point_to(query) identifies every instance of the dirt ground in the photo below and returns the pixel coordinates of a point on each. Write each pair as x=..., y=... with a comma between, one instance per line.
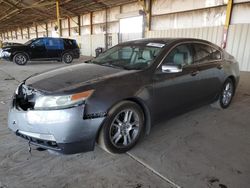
x=202, y=148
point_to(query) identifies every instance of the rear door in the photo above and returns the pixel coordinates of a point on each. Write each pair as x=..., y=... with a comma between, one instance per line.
x=54, y=47
x=209, y=63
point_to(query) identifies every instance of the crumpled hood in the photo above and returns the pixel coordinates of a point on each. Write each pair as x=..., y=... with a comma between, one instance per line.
x=72, y=77
x=14, y=47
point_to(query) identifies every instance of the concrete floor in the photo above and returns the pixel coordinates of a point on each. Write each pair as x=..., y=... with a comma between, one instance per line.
x=203, y=148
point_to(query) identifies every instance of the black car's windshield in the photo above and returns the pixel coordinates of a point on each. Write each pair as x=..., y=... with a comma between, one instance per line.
x=131, y=57
x=29, y=42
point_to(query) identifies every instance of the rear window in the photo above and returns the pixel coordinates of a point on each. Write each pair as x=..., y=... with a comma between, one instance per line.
x=70, y=43
x=53, y=44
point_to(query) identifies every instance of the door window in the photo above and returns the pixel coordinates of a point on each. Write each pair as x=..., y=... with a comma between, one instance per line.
x=205, y=53
x=38, y=43
x=54, y=44
x=181, y=55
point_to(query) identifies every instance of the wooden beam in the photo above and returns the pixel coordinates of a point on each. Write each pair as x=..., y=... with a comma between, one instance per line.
x=21, y=33
x=46, y=29
x=91, y=23
x=36, y=31
x=69, y=26
x=28, y=32
x=79, y=24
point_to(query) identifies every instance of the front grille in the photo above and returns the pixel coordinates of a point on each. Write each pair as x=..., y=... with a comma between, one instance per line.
x=38, y=142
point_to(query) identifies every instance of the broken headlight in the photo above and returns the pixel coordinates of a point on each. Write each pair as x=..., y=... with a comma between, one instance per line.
x=60, y=102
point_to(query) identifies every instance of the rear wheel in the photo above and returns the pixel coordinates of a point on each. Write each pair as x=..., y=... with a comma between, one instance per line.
x=67, y=58
x=20, y=59
x=123, y=128
x=226, y=95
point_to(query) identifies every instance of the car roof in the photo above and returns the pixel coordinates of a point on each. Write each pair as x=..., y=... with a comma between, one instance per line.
x=163, y=40
x=167, y=41
x=53, y=38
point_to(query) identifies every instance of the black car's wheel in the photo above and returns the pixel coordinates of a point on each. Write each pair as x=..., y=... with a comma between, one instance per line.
x=20, y=59
x=122, y=128
x=226, y=95
x=67, y=58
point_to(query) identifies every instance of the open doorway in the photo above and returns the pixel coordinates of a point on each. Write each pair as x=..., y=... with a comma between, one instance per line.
x=131, y=28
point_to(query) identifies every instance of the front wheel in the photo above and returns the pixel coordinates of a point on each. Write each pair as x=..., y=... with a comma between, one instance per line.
x=226, y=95
x=67, y=58
x=20, y=59
x=122, y=128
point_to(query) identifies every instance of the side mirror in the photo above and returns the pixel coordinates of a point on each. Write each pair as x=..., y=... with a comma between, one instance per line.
x=171, y=68
x=32, y=46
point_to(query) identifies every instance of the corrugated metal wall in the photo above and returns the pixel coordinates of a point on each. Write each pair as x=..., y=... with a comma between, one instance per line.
x=238, y=39
x=213, y=34
x=239, y=44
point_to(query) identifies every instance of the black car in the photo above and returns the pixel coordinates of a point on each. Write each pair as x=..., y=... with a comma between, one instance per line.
x=42, y=49
x=115, y=98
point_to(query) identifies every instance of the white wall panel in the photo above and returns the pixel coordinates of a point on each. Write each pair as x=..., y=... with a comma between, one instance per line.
x=170, y=6
x=97, y=40
x=131, y=7
x=239, y=44
x=73, y=21
x=85, y=19
x=213, y=34
x=241, y=13
x=112, y=14
x=99, y=17
x=199, y=18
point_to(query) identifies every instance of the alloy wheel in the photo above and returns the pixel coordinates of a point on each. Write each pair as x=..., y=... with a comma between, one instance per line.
x=227, y=94
x=124, y=128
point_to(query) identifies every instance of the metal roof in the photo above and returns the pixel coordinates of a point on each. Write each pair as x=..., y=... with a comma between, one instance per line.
x=22, y=13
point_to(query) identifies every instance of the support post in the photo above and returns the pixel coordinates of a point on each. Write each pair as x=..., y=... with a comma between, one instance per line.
x=46, y=29
x=11, y=35
x=227, y=23
x=36, y=31
x=91, y=23
x=21, y=33
x=106, y=29
x=58, y=17
x=69, y=26
x=79, y=25
x=28, y=31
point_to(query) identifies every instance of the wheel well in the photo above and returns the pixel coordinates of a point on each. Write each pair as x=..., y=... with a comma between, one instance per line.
x=66, y=52
x=21, y=53
x=145, y=110
x=233, y=80
x=146, y=113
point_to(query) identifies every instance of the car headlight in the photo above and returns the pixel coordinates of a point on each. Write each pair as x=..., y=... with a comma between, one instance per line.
x=59, y=102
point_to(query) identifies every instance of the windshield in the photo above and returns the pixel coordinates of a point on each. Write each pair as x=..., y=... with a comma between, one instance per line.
x=129, y=57
x=29, y=42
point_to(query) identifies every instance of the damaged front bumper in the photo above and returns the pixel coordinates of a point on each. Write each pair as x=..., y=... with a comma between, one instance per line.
x=65, y=130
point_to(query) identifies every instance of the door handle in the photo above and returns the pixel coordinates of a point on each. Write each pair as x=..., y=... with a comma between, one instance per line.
x=194, y=73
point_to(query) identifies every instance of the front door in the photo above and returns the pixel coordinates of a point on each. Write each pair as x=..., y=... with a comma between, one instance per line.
x=176, y=92
x=38, y=50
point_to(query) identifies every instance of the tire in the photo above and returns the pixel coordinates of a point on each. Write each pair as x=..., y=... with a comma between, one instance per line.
x=123, y=128
x=20, y=59
x=226, y=95
x=67, y=58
